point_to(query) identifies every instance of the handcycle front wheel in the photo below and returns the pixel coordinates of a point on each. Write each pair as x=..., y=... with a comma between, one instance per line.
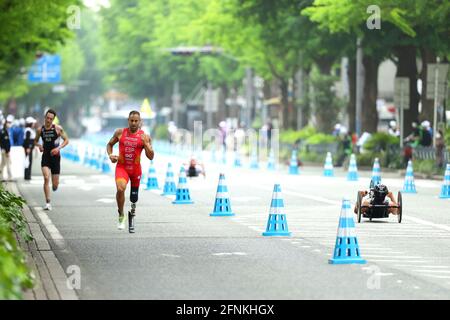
x=400, y=204
x=358, y=206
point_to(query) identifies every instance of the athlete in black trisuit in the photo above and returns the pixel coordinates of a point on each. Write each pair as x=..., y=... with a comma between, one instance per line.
x=51, y=158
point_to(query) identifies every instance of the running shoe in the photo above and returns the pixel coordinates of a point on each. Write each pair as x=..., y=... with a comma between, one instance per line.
x=121, y=224
x=48, y=207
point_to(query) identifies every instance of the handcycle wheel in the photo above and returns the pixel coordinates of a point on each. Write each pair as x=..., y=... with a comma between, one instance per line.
x=400, y=204
x=358, y=206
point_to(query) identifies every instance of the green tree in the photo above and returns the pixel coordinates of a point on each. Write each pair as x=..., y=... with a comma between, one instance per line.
x=28, y=27
x=408, y=27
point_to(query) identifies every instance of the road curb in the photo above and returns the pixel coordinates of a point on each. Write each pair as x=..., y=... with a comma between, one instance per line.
x=50, y=278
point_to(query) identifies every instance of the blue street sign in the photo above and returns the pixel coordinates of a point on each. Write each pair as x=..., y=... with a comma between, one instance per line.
x=46, y=69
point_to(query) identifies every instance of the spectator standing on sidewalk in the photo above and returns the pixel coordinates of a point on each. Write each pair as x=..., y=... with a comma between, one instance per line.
x=5, y=144
x=28, y=145
x=440, y=149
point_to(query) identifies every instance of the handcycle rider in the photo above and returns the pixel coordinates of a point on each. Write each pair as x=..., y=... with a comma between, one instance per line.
x=378, y=195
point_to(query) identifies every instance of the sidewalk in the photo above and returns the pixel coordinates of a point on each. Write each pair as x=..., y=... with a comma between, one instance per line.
x=50, y=278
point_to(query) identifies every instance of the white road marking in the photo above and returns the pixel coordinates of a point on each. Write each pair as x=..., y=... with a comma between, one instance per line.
x=413, y=266
x=47, y=222
x=170, y=255
x=229, y=254
x=401, y=257
x=403, y=261
x=245, y=199
x=338, y=203
x=437, y=277
x=424, y=222
x=383, y=274
x=106, y=200
x=433, y=271
x=85, y=188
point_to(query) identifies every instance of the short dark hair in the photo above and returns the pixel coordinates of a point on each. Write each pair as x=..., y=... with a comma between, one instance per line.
x=53, y=112
x=134, y=112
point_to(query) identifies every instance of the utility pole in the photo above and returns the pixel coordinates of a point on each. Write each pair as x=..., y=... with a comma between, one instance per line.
x=248, y=95
x=359, y=86
x=299, y=94
x=436, y=86
x=209, y=105
x=176, y=101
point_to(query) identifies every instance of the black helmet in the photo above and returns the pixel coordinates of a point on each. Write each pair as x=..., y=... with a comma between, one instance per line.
x=380, y=191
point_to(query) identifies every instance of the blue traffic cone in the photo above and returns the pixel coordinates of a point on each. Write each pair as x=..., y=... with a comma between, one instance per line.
x=237, y=159
x=271, y=161
x=409, y=186
x=76, y=155
x=222, y=206
x=293, y=166
x=68, y=153
x=105, y=165
x=352, y=174
x=254, y=160
x=169, y=185
x=328, y=170
x=376, y=173
x=99, y=162
x=86, y=160
x=152, y=181
x=277, y=223
x=445, y=191
x=346, y=249
x=92, y=162
x=182, y=193
x=224, y=156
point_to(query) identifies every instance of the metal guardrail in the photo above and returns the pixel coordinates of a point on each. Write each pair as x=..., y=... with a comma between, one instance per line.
x=428, y=153
x=322, y=148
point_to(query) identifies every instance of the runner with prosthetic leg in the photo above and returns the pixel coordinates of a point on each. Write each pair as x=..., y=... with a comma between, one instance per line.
x=132, y=141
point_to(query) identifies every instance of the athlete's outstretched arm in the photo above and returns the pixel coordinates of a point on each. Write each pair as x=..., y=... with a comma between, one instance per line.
x=111, y=143
x=148, y=146
x=62, y=134
x=65, y=137
x=36, y=140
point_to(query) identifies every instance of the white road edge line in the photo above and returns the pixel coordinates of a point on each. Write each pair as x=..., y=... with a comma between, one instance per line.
x=48, y=224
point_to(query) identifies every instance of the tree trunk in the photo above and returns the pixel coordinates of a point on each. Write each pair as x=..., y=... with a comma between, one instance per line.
x=324, y=64
x=369, y=104
x=407, y=67
x=306, y=107
x=222, y=112
x=284, y=104
x=292, y=110
x=427, y=112
x=351, y=107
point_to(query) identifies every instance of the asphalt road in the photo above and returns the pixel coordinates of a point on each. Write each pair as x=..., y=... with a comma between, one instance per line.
x=180, y=252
